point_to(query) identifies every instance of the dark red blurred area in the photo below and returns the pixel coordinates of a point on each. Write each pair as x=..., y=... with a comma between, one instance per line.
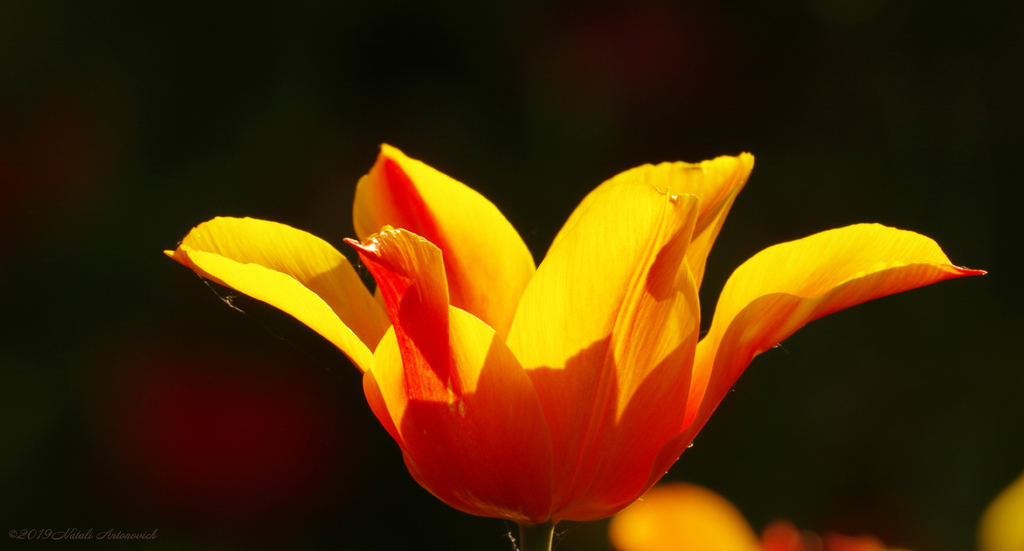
x=221, y=441
x=641, y=56
x=53, y=157
x=839, y=542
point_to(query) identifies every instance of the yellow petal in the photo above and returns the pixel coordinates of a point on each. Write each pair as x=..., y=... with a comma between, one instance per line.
x=1002, y=525
x=716, y=182
x=786, y=286
x=682, y=517
x=292, y=270
x=487, y=263
x=452, y=394
x=607, y=330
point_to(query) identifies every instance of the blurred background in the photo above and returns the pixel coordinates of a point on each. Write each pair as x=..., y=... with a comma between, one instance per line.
x=133, y=397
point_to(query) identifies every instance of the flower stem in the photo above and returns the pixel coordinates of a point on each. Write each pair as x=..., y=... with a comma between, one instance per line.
x=536, y=537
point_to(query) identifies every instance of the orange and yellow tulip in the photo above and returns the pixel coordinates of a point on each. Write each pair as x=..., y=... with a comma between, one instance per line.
x=685, y=517
x=563, y=391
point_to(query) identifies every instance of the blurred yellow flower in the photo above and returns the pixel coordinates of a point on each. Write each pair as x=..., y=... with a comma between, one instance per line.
x=676, y=517
x=1002, y=524
x=685, y=517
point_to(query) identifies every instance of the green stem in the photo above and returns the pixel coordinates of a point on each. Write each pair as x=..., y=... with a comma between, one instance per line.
x=536, y=537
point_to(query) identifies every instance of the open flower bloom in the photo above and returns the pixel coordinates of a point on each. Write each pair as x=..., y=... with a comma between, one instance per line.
x=1002, y=525
x=685, y=517
x=562, y=391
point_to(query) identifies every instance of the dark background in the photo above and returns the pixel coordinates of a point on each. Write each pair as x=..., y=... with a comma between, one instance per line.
x=132, y=398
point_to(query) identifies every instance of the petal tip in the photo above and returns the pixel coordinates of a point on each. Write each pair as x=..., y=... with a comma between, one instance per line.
x=369, y=246
x=180, y=255
x=388, y=151
x=372, y=243
x=964, y=271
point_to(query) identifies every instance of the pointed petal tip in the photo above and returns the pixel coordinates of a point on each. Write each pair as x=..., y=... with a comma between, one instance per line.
x=747, y=159
x=180, y=255
x=368, y=247
x=389, y=152
x=372, y=243
x=965, y=271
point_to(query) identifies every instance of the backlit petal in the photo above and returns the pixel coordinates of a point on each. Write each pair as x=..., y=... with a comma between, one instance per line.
x=410, y=277
x=451, y=393
x=487, y=263
x=682, y=517
x=1002, y=525
x=607, y=331
x=786, y=286
x=292, y=270
x=716, y=182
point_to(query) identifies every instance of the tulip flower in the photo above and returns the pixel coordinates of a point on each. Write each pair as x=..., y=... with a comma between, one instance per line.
x=685, y=517
x=563, y=391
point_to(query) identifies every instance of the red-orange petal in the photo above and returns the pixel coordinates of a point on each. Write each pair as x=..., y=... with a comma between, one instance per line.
x=486, y=262
x=451, y=393
x=411, y=279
